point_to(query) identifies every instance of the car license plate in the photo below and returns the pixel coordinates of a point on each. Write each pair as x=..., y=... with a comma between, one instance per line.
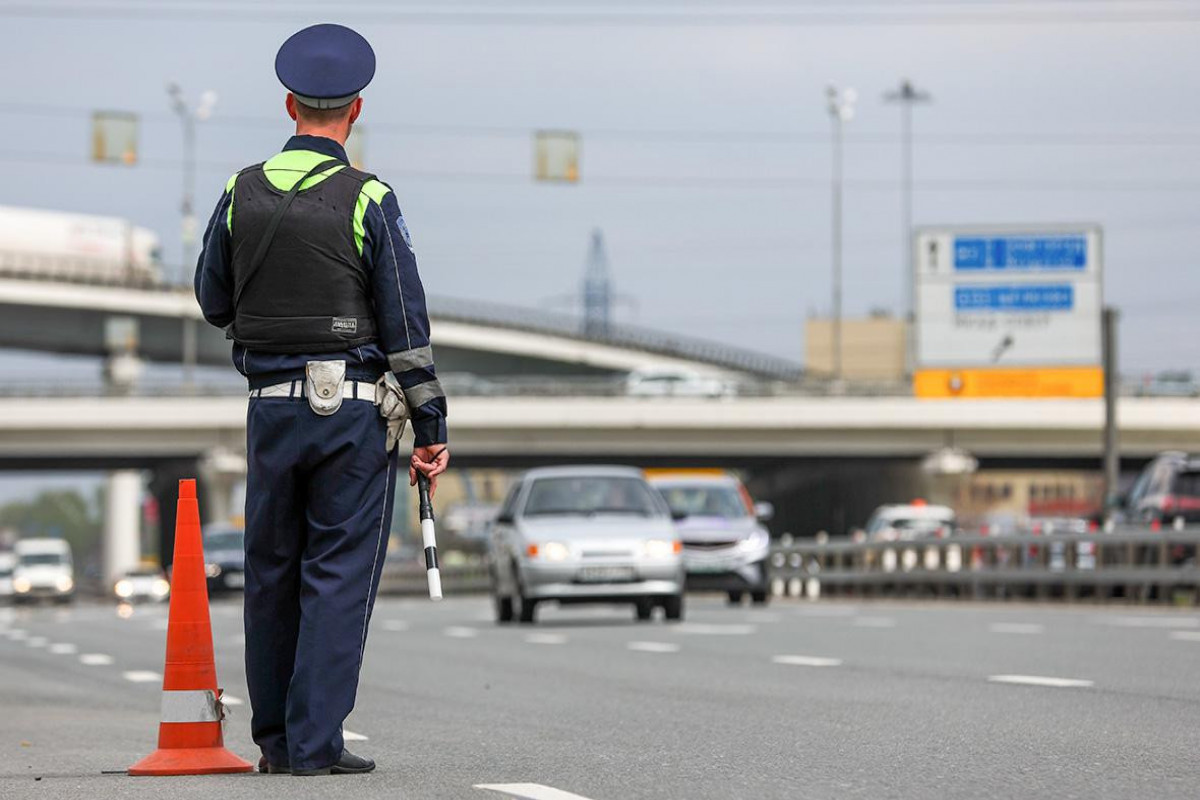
x=235, y=580
x=605, y=575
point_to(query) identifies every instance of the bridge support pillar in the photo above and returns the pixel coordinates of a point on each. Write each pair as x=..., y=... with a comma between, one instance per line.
x=122, y=524
x=221, y=470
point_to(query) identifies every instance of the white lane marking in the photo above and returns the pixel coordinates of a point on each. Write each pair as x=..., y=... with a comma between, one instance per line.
x=653, y=647
x=1185, y=636
x=715, y=630
x=351, y=736
x=827, y=611
x=230, y=700
x=1041, y=680
x=1151, y=622
x=398, y=624
x=874, y=622
x=546, y=638
x=1026, y=628
x=63, y=649
x=456, y=632
x=141, y=676
x=95, y=659
x=16, y=634
x=36, y=641
x=807, y=661
x=529, y=791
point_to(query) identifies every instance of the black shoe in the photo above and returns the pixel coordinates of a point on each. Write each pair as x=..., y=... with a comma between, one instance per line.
x=267, y=767
x=348, y=764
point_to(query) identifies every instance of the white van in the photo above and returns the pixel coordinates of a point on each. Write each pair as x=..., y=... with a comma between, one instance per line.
x=44, y=569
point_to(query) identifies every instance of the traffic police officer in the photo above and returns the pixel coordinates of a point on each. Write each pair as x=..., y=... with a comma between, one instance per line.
x=308, y=265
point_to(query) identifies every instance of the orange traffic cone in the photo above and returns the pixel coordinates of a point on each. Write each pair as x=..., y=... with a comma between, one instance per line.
x=189, y=736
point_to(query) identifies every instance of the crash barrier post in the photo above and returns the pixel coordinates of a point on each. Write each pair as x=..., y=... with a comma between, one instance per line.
x=1128, y=564
x=190, y=739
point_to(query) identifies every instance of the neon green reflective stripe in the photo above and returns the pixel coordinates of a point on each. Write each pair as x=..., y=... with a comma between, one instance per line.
x=229, y=191
x=290, y=166
x=372, y=192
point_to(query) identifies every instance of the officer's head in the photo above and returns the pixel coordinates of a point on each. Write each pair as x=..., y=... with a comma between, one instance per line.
x=332, y=122
x=324, y=67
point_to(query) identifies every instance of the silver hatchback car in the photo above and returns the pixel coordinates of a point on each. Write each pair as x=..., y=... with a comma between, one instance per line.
x=585, y=535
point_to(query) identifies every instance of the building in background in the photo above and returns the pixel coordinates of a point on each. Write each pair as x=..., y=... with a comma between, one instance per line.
x=872, y=348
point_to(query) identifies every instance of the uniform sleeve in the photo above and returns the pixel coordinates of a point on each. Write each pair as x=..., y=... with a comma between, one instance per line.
x=402, y=318
x=214, y=269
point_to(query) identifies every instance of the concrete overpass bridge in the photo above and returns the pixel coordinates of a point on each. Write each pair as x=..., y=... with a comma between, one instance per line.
x=469, y=337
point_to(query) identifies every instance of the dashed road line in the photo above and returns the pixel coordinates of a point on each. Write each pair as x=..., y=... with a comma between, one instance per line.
x=36, y=641
x=95, y=660
x=458, y=632
x=715, y=630
x=1041, y=680
x=546, y=638
x=806, y=661
x=529, y=791
x=1185, y=636
x=653, y=647
x=1019, y=628
x=1151, y=622
x=63, y=649
x=141, y=676
x=351, y=736
x=17, y=635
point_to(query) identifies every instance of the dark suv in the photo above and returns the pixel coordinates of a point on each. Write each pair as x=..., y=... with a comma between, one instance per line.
x=1167, y=490
x=224, y=559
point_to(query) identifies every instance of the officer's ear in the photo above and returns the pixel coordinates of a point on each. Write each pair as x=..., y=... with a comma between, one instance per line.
x=355, y=109
x=290, y=104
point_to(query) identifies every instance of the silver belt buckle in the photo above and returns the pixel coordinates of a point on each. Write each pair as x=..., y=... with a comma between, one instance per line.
x=323, y=386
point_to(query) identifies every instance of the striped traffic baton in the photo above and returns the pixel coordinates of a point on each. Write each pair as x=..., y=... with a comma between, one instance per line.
x=429, y=538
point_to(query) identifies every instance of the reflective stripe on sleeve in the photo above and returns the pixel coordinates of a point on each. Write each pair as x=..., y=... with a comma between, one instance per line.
x=416, y=358
x=422, y=393
x=200, y=705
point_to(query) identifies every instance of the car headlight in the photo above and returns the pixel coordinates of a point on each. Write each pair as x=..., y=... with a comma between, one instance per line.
x=661, y=548
x=21, y=585
x=64, y=583
x=212, y=570
x=756, y=541
x=161, y=588
x=555, y=551
x=123, y=589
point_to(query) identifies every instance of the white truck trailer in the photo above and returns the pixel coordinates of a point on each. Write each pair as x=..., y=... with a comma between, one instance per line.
x=53, y=245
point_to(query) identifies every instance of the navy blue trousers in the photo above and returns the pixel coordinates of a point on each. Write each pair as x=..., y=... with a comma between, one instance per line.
x=319, y=494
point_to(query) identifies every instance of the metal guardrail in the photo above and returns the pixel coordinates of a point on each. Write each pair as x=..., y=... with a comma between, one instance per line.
x=409, y=578
x=1130, y=564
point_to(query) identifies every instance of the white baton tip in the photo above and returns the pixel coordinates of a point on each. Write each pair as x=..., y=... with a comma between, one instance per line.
x=435, y=584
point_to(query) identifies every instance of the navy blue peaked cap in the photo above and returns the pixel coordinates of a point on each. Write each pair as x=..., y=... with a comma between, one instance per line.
x=325, y=66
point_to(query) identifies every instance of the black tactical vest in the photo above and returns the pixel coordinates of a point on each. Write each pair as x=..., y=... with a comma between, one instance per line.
x=310, y=294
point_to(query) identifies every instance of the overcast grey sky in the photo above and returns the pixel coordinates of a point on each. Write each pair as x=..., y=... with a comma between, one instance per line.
x=706, y=150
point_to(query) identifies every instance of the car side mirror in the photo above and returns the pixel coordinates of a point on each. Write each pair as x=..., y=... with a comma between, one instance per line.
x=505, y=519
x=764, y=511
x=679, y=516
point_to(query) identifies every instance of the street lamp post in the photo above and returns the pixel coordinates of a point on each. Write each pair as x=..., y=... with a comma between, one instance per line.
x=907, y=95
x=841, y=111
x=189, y=117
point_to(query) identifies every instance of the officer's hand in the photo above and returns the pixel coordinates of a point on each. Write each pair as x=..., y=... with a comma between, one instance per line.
x=432, y=461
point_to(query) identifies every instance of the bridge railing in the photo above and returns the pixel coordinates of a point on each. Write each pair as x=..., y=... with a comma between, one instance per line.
x=1133, y=564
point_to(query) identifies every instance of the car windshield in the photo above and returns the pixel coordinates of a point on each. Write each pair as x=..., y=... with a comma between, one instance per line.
x=223, y=540
x=1186, y=484
x=34, y=559
x=589, y=494
x=705, y=501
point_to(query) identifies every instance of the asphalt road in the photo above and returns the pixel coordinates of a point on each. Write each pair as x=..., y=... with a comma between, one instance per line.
x=826, y=700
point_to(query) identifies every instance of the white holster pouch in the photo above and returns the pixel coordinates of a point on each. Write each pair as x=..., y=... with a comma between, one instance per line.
x=392, y=407
x=323, y=382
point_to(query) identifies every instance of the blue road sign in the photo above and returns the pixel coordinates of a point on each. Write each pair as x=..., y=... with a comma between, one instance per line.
x=1031, y=253
x=1059, y=297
